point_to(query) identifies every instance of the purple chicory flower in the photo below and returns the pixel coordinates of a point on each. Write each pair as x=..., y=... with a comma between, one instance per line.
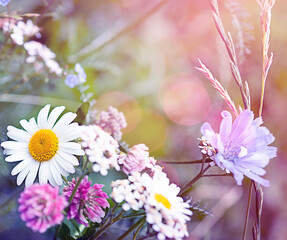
x=242, y=146
x=87, y=202
x=4, y=2
x=41, y=207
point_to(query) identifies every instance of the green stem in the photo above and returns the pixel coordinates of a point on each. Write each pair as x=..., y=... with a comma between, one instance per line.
x=76, y=188
x=134, y=215
x=217, y=175
x=247, y=211
x=109, y=222
x=133, y=227
x=139, y=228
x=65, y=179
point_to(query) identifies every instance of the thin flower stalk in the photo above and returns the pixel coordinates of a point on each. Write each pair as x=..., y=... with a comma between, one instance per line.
x=227, y=39
x=265, y=18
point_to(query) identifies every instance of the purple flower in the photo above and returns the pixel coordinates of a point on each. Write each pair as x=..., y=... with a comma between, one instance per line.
x=4, y=2
x=112, y=122
x=41, y=207
x=87, y=202
x=71, y=80
x=242, y=146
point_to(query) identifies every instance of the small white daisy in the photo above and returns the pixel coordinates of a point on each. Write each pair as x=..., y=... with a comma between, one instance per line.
x=166, y=212
x=101, y=148
x=44, y=146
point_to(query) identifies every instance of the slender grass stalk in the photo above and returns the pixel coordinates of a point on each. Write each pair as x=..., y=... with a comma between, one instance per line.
x=247, y=211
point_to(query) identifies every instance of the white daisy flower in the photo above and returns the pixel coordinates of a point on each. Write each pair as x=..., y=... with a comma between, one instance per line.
x=101, y=148
x=44, y=146
x=166, y=212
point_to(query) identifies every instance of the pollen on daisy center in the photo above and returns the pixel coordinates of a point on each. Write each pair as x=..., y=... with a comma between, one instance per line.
x=43, y=145
x=162, y=199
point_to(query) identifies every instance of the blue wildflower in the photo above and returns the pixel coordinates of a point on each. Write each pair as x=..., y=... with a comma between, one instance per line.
x=71, y=80
x=242, y=146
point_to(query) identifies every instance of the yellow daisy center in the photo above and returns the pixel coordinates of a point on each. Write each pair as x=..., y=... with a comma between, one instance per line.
x=43, y=145
x=162, y=199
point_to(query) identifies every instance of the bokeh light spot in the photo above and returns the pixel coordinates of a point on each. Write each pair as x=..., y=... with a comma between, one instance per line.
x=185, y=100
x=151, y=131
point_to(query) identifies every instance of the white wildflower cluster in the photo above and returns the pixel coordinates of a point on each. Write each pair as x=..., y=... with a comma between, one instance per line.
x=101, y=149
x=165, y=211
x=206, y=148
x=21, y=30
x=37, y=50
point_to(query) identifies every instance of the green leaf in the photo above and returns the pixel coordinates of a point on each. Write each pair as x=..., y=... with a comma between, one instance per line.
x=65, y=233
x=88, y=233
x=82, y=113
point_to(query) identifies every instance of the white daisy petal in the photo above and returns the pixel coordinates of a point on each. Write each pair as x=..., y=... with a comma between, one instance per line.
x=20, y=166
x=27, y=126
x=68, y=148
x=51, y=178
x=68, y=157
x=44, y=172
x=22, y=175
x=33, y=124
x=34, y=166
x=42, y=116
x=18, y=134
x=14, y=145
x=70, y=145
x=17, y=157
x=59, y=167
x=56, y=112
x=56, y=175
x=68, y=137
x=65, y=120
x=73, y=127
x=66, y=165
